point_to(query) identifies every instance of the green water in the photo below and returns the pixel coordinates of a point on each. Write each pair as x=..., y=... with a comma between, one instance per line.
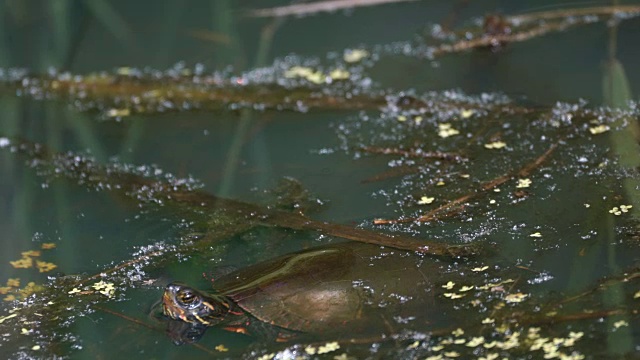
x=511, y=95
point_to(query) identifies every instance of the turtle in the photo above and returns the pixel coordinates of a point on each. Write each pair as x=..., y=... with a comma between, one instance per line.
x=329, y=290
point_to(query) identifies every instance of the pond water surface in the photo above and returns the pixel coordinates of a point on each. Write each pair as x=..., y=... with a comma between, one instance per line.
x=524, y=156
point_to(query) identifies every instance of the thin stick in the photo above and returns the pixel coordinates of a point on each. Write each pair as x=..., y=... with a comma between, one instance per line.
x=143, y=324
x=415, y=153
x=484, y=188
x=318, y=6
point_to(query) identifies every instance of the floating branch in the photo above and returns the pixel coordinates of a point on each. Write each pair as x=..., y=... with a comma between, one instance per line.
x=500, y=30
x=317, y=7
x=415, y=153
x=483, y=189
x=182, y=194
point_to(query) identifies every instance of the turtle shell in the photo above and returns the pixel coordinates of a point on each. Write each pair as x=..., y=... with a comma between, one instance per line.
x=350, y=286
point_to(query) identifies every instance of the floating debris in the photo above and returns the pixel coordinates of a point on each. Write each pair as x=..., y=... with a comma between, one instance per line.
x=104, y=288
x=515, y=298
x=44, y=266
x=355, y=55
x=328, y=347
x=488, y=321
x=495, y=145
x=445, y=130
x=221, y=348
x=595, y=130
x=425, y=200
x=480, y=269
x=449, y=285
x=619, y=210
x=523, y=183
x=619, y=324
x=465, y=113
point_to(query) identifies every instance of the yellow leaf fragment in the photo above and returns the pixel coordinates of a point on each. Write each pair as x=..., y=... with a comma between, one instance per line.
x=4, y=290
x=414, y=345
x=495, y=145
x=480, y=269
x=310, y=350
x=490, y=356
x=328, y=347
x=104, y=288
x=440, y=183
x=576, y=335
x=488, y=321
x=523, y=183
x=73, y=291
x=595, y=130
x=619, y=210
x=445, y=130
x=435, y=357
x=44, y=266
x=490, y=345
x=536, y=235
x=24, y=263
x=267, y=356
x=425, y=200
x=417, y=119
x=32, y=253
x=457, y=332
x=13, y=282
x=492, y=201
x=449, y=285
x=467, y=288
x=339, y=74
x=298, y=71
x=48, y=246
x=475, y=341
x=451, y=354
x=317, y=78
x=355, y=55
x=619, y=324
x=453, y=295
x=4, y=318
x=113, y=113
x=515, y=298
x=465, y=114
x=35, y=347
x=342, y=356
x=637, y=295
x=221, y=348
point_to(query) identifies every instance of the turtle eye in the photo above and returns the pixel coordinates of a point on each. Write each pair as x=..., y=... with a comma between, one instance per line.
x=187, y=297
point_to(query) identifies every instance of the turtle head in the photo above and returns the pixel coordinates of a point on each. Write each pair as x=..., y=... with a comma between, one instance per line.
x=182, y=302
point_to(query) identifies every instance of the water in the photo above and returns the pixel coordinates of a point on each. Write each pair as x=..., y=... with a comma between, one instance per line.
x=81, y=202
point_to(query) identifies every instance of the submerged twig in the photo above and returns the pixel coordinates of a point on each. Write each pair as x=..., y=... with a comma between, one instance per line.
x=416, y=153
x=483, y=189
x=521, y=28
x=151, y=190
x=317, y=7
x=145, y=325
x=604, y=284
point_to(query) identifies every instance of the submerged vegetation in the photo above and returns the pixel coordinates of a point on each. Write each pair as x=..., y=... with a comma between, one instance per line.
x=524, y=204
